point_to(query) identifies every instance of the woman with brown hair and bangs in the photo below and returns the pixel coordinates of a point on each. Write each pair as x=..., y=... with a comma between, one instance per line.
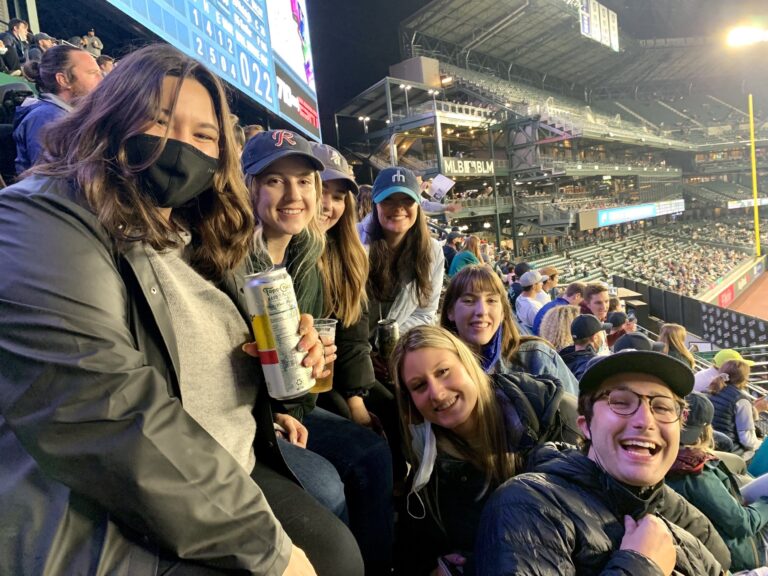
x=137, y=436
x=477, y=310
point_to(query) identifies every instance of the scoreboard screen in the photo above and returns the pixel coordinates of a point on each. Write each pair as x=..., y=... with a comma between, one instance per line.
x=261, y=48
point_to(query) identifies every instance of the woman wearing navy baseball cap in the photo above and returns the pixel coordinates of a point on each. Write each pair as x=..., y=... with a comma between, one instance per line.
x=406, y=263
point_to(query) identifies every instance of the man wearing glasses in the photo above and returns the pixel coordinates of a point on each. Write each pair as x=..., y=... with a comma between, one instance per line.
x=605, y=509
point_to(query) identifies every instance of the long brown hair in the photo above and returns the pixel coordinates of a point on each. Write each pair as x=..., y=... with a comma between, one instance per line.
x=411, y=260
x=473, y=245
x=481, y=278
x=88, y=148
x=345, y=263
x=490, y=455
x=731, y=373
x=673, y=337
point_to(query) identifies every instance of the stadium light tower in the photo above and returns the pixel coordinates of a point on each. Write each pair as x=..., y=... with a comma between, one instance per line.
x=747, y=36
x=432, y=92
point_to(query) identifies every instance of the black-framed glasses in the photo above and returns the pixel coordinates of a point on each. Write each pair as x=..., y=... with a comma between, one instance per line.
x=626, y=402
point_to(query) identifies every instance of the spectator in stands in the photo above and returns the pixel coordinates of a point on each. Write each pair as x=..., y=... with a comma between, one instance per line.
x=42, y=42
x=17, y=44
x=734, y=407
x=588, y=335
x=605, y=509
x=468, y=255
x=406, y=265
x=63, y=74
x=551, y=281
x=92, y=44
x=252, y=129
x=616, y=304
x=364, y=202
x=556, y=326
x=514, y=282
x=596, y=299
x=151, y=428
x=107, y=64
x=573, y=295
x=476, y=310
x=704, y=377
x=673, y=337
x=461, y=453
x=708, y=484
x=286, y=192
x=451, y=247
x=621, y=324
x=527, y=304
x=239, y=133
x=637, y=341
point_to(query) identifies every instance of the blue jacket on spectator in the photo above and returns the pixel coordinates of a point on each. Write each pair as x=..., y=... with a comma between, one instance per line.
x=544, y=309
x=30, y=118
x=539, y=359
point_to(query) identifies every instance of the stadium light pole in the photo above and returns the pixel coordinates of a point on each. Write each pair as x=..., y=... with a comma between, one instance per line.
x=739, y=37
x=495, y=190
x=753, y=155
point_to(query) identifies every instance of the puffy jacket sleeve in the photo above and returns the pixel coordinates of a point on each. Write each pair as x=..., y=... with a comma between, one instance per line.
x=523, y=531
x=81, y=399
x=680, y=512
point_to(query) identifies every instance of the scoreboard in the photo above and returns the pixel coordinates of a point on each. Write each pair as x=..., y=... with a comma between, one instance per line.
x=262, y=48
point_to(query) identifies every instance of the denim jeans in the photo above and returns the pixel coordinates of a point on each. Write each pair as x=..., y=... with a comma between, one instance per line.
x=318, y=477
x=364, y=463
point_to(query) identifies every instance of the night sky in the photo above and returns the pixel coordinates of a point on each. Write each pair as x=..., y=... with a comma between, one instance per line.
x=355, y=41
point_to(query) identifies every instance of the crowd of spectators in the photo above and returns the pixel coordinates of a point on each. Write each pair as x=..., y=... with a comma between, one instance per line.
x=152, y=408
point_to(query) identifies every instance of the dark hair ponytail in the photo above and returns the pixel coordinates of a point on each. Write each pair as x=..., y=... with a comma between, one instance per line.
x=55, y=60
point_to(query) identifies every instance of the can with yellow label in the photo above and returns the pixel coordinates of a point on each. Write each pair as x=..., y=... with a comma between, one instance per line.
x=274, y=312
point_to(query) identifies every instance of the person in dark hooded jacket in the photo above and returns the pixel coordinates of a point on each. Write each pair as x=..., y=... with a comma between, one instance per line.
x=465, y=433
x=588, y=336
x=606, y=510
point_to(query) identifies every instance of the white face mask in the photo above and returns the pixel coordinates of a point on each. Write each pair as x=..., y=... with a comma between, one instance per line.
x=424, y=446
x=3, y=49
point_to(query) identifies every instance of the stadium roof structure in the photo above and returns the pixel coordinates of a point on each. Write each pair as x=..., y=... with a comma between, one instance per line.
x=540, y=41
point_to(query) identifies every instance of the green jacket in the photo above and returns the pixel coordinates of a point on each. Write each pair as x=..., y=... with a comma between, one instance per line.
x=101, y=466
x=714, y=491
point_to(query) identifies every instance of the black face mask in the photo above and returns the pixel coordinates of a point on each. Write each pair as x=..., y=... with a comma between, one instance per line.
x=179, y=174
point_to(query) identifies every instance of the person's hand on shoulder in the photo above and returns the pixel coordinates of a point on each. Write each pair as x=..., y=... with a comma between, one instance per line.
x=650, y=537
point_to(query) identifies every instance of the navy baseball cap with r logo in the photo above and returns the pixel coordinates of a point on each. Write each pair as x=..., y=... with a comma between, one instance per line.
x=393, y=180
x=266, y=148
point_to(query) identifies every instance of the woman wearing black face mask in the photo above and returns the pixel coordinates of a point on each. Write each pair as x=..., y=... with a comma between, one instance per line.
x=135, y=432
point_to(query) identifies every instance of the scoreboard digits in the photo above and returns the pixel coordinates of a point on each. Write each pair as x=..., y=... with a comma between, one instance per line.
x=232, y=38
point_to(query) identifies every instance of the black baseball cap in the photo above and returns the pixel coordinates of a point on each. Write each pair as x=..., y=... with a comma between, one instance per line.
x=637, y=341
x=677, y=376
x=268, y=147
x=393, y=180
x=617, y=319
x=700, y=413
x=586, y=326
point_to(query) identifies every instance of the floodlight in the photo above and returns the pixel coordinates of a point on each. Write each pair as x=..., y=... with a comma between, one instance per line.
x=746, y=36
